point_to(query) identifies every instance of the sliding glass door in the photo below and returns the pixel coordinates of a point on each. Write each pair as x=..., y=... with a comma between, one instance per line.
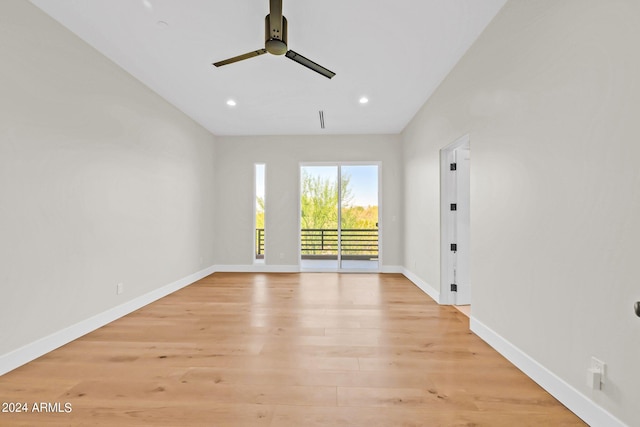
x=359, y=217
x=319, y=199
x=339, y=217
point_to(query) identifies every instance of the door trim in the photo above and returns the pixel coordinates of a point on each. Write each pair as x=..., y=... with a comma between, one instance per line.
x=447, y=190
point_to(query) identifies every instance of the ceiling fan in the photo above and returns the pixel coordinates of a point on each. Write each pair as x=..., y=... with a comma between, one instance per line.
x=275, y=28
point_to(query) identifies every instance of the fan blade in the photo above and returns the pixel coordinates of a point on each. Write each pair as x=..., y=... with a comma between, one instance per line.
x=240, y=57
x=275, y=18
x=310, y=64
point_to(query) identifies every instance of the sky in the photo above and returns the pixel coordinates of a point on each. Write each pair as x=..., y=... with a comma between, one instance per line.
x=363, y=182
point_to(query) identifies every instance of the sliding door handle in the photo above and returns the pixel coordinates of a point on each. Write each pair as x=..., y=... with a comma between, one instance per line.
x=637, y=308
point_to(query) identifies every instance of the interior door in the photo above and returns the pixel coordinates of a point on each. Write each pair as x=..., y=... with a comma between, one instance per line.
x=455, y=286
x=462, y=225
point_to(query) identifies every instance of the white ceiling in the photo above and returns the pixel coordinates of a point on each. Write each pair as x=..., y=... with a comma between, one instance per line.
x=393, y=52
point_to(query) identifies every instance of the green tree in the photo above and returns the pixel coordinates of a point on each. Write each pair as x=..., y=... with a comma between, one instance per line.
x=360, y=217
x=319, y=200
x=259, y=212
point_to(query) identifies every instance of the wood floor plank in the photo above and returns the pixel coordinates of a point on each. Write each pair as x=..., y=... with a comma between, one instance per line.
x=292, y=416
x=160, y=391
x=268, y=350
x=371, y=397
x=300, y=377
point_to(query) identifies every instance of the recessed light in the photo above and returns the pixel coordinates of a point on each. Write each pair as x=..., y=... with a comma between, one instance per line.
x=231, y=103
x=364, y=100
x=147, y=4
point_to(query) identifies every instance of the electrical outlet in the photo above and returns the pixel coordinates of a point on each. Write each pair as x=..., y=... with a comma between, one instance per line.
x=596, y=374
x=599, y=366
x=119, y=288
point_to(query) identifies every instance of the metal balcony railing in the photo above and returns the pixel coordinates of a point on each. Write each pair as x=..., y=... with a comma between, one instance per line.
x=259, y=243
x=322, y=243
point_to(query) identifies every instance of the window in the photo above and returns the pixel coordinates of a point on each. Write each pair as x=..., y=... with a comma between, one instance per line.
x=259, y=203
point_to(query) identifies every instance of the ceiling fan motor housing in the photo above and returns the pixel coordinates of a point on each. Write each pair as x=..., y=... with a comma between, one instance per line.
x=275, y=41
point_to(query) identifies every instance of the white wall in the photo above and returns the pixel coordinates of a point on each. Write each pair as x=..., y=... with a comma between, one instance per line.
x=551, y=99
x=282, y=155
x=101, y=181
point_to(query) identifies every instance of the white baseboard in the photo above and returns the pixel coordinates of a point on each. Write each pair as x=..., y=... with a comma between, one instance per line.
x=266, y=268
x=257, y=268
x=578, y=403
x=424, y=286
x=392, y=269
x=29, y=352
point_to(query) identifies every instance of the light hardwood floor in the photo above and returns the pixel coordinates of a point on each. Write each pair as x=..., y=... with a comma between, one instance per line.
x=284, y=350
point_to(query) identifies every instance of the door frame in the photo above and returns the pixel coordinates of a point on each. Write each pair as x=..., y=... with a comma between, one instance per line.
x=380, y=230
x=448, y=190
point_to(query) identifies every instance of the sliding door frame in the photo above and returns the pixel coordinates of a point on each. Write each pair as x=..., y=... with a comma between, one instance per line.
x=339, y=165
